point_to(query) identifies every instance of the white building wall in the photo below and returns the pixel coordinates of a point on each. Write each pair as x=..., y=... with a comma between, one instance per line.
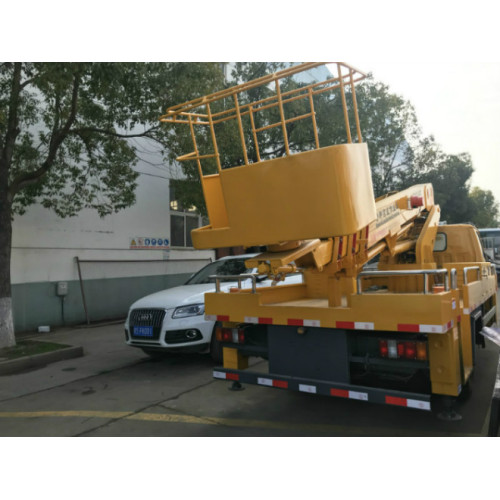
x=45, y=246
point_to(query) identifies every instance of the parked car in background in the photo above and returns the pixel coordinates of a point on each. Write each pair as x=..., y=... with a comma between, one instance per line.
x=490, y=241
x=174, y=319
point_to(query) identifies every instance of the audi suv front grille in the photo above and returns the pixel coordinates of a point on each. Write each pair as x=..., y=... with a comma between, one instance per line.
x=148, y=323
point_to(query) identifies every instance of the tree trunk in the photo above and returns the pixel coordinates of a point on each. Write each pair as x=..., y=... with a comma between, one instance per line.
x=7, y=337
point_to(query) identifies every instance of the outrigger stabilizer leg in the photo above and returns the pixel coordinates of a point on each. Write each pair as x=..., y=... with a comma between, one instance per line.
x=449, y=414
x=236, y=386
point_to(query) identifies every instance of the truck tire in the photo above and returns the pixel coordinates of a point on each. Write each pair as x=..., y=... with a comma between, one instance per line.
x=215, y=349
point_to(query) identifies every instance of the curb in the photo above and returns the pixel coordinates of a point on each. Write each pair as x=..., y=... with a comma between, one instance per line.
x=28, y=362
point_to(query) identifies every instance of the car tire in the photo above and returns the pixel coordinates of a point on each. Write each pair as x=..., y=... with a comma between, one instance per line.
x=215, y=349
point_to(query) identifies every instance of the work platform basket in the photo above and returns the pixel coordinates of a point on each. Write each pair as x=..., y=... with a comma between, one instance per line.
x=298, y=194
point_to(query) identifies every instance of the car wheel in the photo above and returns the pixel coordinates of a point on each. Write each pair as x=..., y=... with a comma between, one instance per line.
x=154, y=353
x=215, y=349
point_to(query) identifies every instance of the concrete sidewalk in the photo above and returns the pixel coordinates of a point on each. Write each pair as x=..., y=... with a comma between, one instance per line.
x=104, y=349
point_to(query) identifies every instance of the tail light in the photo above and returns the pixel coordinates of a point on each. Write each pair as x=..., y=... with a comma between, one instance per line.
x=235, y=335
x=383, y=348
x=421, y=350
x=394, y=349
x=401, y=350
x=410, y=350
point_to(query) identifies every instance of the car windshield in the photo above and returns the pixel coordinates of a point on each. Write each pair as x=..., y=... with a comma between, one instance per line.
x=221, y=267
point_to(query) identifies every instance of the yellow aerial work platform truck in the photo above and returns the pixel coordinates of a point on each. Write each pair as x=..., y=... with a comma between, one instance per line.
x=396, y=335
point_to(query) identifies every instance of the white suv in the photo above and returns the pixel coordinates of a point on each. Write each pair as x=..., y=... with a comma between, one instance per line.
x=174, y=319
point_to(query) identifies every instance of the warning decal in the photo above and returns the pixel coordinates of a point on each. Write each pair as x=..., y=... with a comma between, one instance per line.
x=149, y=243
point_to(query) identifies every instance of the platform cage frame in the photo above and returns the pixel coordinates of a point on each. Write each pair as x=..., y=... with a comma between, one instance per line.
x=200, y=113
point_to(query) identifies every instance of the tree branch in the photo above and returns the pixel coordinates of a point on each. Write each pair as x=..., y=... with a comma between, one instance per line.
x=13, y=120
x=58, y=135
x=82, y=131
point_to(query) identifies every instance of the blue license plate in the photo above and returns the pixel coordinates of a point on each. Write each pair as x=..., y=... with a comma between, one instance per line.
x=143, y=331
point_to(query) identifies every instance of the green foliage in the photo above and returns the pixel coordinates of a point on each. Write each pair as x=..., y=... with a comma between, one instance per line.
x=73, y=123
x=389, y=127
x=484, y=208
x=450, y=179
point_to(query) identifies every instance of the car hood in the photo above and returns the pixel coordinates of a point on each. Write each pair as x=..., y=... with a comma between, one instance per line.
x=175, y=297
x=193, y=294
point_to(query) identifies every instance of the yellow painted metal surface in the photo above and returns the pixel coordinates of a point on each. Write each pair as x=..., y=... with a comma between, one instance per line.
x=386, y=311
x=462, y=246
x=214, y=199
x=233, y=359
x=444, y=358
x=315, y=194
x=477, y=292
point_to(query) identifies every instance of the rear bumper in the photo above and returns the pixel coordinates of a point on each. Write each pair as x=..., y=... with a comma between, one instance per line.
x=325, y=388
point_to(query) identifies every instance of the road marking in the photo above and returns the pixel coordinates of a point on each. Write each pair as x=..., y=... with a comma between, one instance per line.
x=230, y=422
x=70, y=413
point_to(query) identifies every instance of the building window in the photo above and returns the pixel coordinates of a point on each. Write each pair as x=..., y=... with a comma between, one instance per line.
x=182, y=222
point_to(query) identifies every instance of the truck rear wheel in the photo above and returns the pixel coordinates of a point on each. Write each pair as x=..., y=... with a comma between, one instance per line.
x=215, y=349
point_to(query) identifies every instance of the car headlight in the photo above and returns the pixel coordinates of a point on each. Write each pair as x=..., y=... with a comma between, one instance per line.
x=192, y=310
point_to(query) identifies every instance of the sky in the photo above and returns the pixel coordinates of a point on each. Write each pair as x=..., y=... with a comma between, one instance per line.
x=458, y=103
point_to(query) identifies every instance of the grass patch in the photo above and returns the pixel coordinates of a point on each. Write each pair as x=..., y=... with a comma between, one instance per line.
x=29, y=348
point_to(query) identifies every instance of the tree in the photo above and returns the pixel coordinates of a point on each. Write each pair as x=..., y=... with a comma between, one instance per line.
x=390, y=128
x=65, y=138
x=450, y=178
x=484, y=208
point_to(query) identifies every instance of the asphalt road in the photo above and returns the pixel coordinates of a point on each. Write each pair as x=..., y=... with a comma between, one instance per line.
x=115, y=390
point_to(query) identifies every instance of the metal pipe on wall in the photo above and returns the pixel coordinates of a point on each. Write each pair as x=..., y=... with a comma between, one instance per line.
x=115, y=261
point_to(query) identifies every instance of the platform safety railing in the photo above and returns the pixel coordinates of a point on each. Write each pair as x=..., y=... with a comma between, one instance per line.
x=415, y=272
x=471, y=268
x=235, y=277
x=199, y=112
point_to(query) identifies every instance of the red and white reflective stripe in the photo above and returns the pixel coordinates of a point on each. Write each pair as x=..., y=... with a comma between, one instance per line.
x=258, y=321
x=425, y=328
x=307, y=388
x=354, y=325
x=364, y=326
x=210, y=317
x=436, y=328
x=409, y=403
x=344, y=393
x=303, y=322
x=269, y=382
x=226, y=376
x=468, y=310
